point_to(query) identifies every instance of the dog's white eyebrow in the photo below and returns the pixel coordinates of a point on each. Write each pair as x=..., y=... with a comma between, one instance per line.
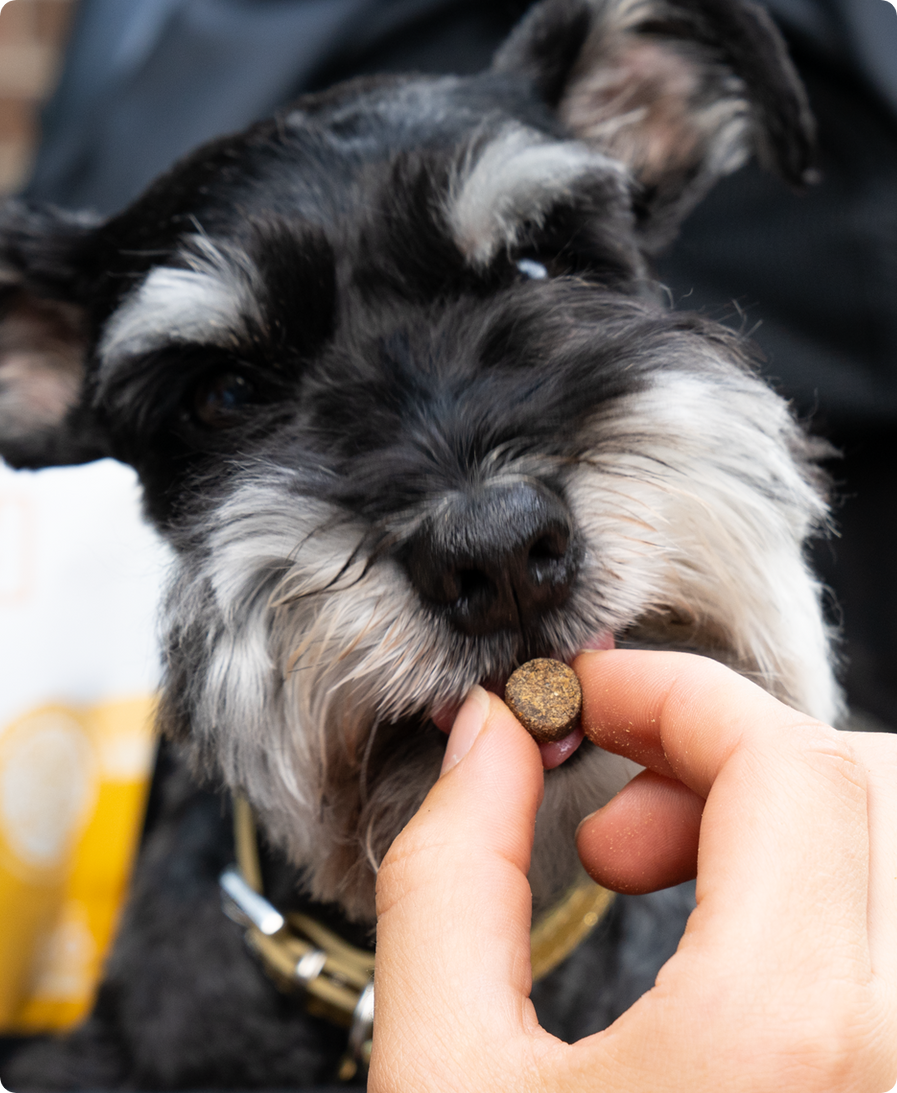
x=516, y=177
x=210, y=301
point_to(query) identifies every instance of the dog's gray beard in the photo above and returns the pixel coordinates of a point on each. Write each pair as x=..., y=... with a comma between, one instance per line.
x=313, y=668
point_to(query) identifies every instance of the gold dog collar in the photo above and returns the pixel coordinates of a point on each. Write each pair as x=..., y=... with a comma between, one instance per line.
x=337, y=978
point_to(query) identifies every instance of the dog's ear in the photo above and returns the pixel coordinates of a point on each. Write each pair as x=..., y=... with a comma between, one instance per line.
x=681, y=91
x=43, y=337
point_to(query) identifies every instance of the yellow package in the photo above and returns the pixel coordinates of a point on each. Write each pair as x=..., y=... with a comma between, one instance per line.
x=73, y=787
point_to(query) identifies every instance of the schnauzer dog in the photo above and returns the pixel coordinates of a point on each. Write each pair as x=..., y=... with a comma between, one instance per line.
x=407, y=404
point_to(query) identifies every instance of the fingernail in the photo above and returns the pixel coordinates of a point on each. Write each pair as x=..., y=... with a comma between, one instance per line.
x=584, y=820
x=470, y=720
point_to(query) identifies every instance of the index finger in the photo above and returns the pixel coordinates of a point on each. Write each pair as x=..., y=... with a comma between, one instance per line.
x=784, y=842
x=678, y=714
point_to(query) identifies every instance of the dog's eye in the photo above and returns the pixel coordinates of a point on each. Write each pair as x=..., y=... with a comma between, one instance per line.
x=532, y=270
x=221, y=401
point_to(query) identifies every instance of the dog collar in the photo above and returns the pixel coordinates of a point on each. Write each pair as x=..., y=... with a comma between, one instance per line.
x=299, y=953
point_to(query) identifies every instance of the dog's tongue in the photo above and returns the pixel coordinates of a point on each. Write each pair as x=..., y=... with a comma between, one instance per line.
x=444, y=717
x=599, y=643
x=557, y=751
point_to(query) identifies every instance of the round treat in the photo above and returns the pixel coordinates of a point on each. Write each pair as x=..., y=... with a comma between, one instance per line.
x=545, y=696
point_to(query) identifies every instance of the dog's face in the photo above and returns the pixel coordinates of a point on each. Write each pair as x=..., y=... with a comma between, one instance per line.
x=400, y=395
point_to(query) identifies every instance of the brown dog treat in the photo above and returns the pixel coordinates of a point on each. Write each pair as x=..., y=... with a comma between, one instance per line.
x=545, y=696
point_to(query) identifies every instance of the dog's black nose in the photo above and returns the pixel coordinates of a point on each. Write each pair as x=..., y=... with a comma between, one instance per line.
x=495, y=560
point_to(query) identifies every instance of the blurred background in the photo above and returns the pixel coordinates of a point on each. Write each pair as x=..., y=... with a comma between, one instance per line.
x=33, y=36
x=97, y=97
x=80, y=575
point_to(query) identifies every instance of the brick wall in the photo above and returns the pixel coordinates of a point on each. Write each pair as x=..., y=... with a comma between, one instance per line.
x=32, y=36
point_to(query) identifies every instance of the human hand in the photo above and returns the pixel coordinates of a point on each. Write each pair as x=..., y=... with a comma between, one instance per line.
x=786, y=977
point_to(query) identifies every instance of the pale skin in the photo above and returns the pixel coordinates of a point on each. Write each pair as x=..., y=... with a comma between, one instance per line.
x=786, y=978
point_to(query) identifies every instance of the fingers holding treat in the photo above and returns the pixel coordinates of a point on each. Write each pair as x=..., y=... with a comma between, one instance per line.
x=784, y=831
x=647, y=836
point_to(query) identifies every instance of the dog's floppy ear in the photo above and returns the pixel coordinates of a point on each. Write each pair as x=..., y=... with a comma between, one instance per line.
x=43, y=337
x=681, y=91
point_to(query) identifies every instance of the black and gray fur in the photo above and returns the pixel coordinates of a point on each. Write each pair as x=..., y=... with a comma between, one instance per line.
x=410, y=409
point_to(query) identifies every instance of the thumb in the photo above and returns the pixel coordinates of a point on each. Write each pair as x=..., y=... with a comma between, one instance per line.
x=453, y=902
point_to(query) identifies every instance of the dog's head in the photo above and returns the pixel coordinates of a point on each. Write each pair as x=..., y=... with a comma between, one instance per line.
x=400, y=393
